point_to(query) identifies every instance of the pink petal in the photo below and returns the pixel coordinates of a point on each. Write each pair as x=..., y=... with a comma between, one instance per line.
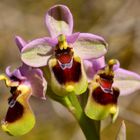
x=89, y=46
x=59, y=20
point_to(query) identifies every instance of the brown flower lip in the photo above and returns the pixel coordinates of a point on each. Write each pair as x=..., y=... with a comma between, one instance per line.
x=105, y=98
x=15, y=110
x=14, y=113
x=72, y=74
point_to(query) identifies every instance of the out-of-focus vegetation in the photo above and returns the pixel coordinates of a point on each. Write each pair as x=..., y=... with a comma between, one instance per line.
x=118, y=21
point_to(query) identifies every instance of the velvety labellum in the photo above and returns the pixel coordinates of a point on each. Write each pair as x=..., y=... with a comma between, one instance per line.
x=15, y=110
x=14, y=113
x=104, y=98
x=64, y=56
x=106, y=82
x=15, y=93
x=72, y=74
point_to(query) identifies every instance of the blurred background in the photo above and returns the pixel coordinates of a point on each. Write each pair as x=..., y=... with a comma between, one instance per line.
x=118, y=21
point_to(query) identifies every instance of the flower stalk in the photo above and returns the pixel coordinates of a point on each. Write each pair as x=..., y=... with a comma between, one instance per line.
x=89, y=127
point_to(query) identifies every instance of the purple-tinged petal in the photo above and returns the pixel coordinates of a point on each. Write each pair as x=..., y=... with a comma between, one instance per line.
x=16, y=74
x=89, y=46
x=98, y=63
x=72, y=38
x=20, y=42
x=116, y=66
x=59, y=20
x=36, y=79
x=92, y=66
x=8, y=72
x=37, y=52
x=127, y=81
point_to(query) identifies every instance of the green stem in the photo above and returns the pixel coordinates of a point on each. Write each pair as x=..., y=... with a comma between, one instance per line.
x=89, y=127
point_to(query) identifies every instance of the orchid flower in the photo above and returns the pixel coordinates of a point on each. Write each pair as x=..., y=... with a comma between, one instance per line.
x=109, y=82
x=63, y=53
x=73, y=63
x=23, y=82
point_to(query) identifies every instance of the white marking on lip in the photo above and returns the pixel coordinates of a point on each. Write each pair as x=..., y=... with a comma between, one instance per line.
x=107, y=90
x=66, y=65
x=11, y=103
